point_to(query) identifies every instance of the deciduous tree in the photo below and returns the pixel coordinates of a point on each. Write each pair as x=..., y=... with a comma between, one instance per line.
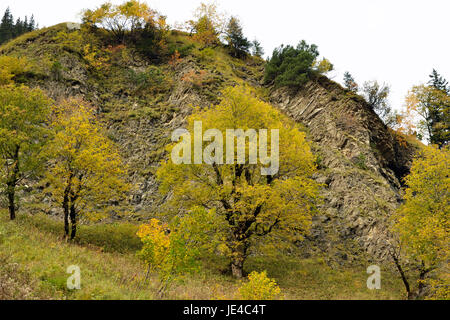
x=208, y=24
x=432, y=106
x=24, y=112
x=422, y=222
x=377, y=96
x=129, y=16
x=251, y=206
x=86, y=172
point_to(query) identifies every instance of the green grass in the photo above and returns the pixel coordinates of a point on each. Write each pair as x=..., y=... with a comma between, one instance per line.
x=39, y=256
x=114, y=237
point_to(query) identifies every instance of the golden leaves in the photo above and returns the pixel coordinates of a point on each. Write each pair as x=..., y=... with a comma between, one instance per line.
x=84, y=159
x=423, y=220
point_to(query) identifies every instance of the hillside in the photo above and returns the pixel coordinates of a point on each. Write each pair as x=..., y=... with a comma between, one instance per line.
x=141, y=100
x=362, y=161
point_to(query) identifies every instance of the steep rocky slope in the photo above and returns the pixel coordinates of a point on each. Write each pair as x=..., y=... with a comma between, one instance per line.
x=361, y=162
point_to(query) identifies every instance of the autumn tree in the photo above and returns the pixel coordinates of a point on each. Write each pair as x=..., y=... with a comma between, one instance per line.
x=323, y=66
x=128, y=17
x=350, y=82
x=252, y=201
x=235, y=38
x=24, y=112
x=422, y=222
x=432, y=107
x=86, y=172
x=259, y=287
x=208, y=24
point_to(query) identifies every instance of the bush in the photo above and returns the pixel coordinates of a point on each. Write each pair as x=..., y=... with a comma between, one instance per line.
x=291, y=66
x=151, y=79
x=174, y=250
x=260, y=287
x=12, y=69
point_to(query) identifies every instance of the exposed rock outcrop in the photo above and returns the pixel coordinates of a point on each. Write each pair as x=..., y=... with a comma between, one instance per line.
x=361, y=164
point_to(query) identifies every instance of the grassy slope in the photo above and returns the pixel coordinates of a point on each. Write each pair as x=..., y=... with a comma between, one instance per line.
x=42, y=258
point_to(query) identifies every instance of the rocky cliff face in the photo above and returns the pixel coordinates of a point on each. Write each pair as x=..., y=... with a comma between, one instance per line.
x=361, y=162
x=361, y=165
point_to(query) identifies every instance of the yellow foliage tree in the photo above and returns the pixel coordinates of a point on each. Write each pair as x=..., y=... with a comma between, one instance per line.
x=259, y=287
x=432, y=107
x=422, y=222
x=323, y=66
x=128, y=16
x=208, y=25
x=249, y=204
x=173, y=250
x=86, y=172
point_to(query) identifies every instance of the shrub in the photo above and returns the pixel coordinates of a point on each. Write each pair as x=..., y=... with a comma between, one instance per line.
x=183, y=50
x=260, y=287
x=173, y=250
x=151, y=79
x=361, y=162
x=12, y=68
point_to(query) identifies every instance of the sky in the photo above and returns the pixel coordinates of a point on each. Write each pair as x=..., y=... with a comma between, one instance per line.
x=394, y=41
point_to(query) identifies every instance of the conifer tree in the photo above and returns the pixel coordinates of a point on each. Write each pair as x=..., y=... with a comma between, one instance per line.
x=6, y=26
x=235, y=38
x=257, y=49
x=350, y=82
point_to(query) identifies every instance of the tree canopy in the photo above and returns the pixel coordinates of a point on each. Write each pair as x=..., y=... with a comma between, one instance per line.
x=291, y=66
x=129, y=16
x=10, y=29
x=235, y=38
x=24, y=112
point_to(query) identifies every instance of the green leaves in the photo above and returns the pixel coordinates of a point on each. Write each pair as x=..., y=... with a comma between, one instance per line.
x=291, y=66
x=24, y=113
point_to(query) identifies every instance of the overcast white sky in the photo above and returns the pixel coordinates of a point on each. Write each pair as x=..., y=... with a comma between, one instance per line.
x=395, y=41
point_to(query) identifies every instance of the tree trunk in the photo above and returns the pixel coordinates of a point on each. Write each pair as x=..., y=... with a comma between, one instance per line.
x=65, y=206
x=238, y=257
x=404, y=279
x=11, y=185
x=11, y=190
x=73, y=221
x=422, y=287
x=66, y=220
